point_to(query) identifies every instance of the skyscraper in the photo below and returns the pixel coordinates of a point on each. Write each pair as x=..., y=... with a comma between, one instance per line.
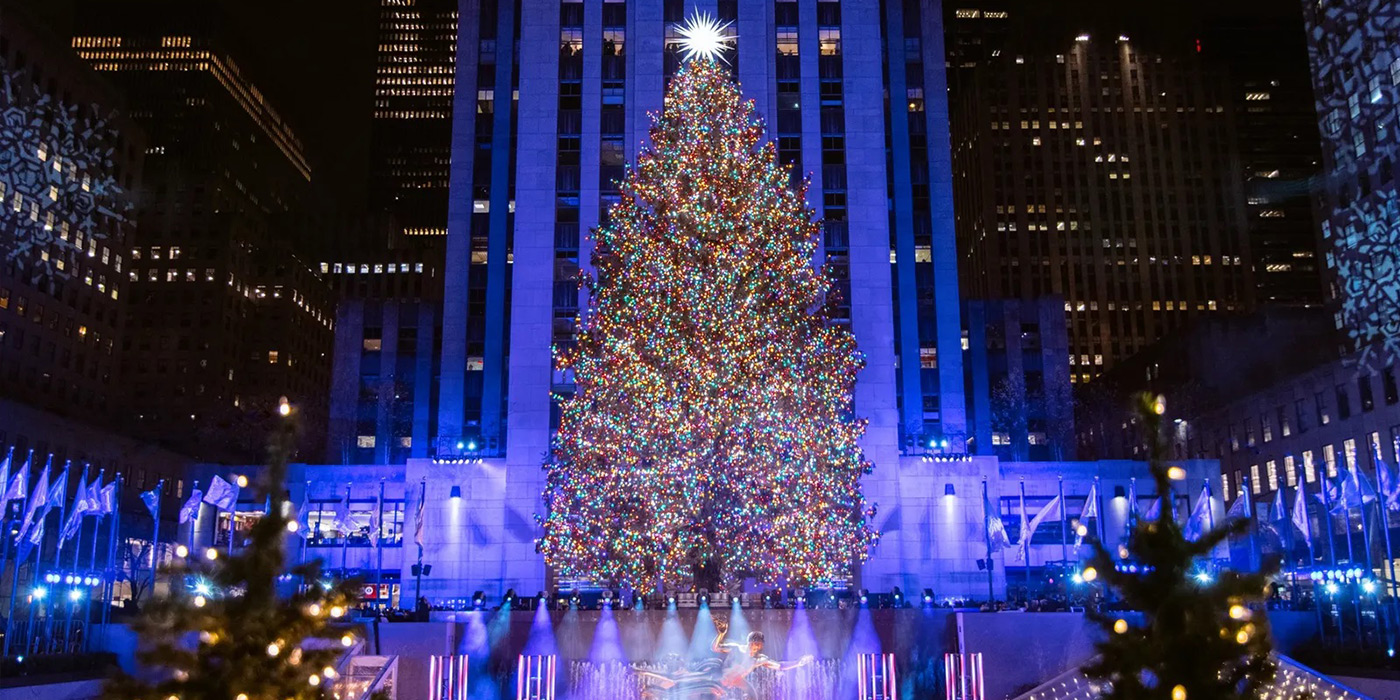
x=1102, y=168
x=225, y=315
x=411, y=143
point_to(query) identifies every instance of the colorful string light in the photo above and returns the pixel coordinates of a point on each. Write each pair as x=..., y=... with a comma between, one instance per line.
x=712, y=417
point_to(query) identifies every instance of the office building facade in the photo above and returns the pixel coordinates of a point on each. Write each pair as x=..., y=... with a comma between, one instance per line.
x=65, y=228
x=1103, y=170
x=227, y=315
x=411, y=141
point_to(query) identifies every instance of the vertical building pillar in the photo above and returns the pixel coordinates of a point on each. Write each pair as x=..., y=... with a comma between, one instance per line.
x=457, y=265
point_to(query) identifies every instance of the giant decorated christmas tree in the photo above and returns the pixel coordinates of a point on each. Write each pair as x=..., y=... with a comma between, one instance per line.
x=711, y=429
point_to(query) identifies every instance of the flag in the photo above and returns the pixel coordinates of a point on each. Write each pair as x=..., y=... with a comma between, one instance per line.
x=418, y=522
x=1090, y=510
x=376, y=520
x=996, y=529
x=304, y=517
x=1200, y=516
x=19, y=482
x=344, y=522
x=1390, y=486
x=221, y=494
x=1051, y=510
x=1240, y=508
x=1154, y=511
x=1363, y=486
x=1278, y=511
x=152, y=500
x=108, y=499
x=5, y=470
x=75, y=514
x=94, y=496
x=37, y=500
x=58, y=492
x=1132, y=503
x=1300, y=516
x=190, y=510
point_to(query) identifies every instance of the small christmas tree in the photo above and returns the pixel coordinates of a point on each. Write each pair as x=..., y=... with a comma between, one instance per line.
x=1201, y=636
x=711, y=428
x=226, y=633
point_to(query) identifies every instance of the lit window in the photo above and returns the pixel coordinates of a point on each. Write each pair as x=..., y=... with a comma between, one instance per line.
x=272, y=357
x=405, y=442
x=373, y=344
x=366, y=441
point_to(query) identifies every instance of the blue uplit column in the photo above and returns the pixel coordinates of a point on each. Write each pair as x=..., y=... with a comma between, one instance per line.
x=457, y=266
x=952, y=400
x=497, y=315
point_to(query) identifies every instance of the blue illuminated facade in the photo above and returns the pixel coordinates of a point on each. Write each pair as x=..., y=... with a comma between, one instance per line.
x=532, y=175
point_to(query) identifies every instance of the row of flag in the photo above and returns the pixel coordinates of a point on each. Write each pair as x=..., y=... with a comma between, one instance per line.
x=46, y=493
x=1197, y=523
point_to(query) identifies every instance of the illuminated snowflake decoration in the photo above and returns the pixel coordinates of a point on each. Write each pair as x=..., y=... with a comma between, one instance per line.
x=1364, y=238
x=1366, y=253
x=705, y=37
x=58, y=191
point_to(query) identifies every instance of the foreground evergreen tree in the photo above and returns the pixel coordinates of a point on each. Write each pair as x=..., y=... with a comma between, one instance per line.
x=1200, y=637
x=241, y=640
x=711, y=428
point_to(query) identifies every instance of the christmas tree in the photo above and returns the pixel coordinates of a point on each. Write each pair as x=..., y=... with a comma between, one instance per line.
x=225, y=633
x=711, y=424
x=1202, y=635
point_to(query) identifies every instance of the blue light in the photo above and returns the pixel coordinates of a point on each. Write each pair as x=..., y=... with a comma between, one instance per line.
x=40, y=593
x=1331, y=587
x=1132, y=568
x=461, y=445
x=1390, y=652
x=203, y=588
x=1203, y=577
x=1369, y=586
x=75, y=595
x=1078, y=578
x=471, y=445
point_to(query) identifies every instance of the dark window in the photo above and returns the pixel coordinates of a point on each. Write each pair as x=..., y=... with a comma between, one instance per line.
x=1343, y=402
x=1392, y=394
x=1364, y=390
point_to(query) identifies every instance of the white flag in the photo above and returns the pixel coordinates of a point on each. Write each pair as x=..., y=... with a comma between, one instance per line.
x=221, y=494
x=19, y=483
x=343, y=519
x=1200, y=516
x=1090, y=510
x=38, y=498
x=1051, y=510
x=190, y=510
x=1300, y=515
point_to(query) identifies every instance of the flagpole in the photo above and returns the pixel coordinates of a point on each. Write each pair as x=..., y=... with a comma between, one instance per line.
x=1026, y=541
x=306, y=503
x=1098, y=509
x=194, y=521
x=1312, y=561
x=345, y=538
x=92, y=559
x=1248, y=497
x=112, y=537
x=5, y=511
x=18, y=560
x=52, y=607
x=987, y=535
x=379, y=544
x=77, y=550
x=1064, y=532
x=1131, y=520
x=155, y=535
x=418, y=584
x=1384, y=512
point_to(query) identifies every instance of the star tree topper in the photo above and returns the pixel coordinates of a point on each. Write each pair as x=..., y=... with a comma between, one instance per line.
x=705, y=37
